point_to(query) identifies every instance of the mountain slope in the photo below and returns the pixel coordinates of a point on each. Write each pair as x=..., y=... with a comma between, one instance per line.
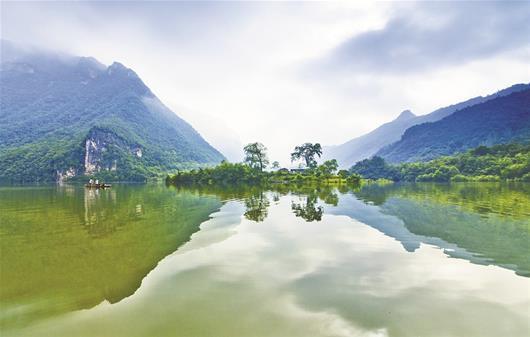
x=369, y=144
x=500, y=120
x=62, y=116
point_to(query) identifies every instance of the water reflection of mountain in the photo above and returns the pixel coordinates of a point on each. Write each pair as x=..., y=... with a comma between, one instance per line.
x=74, y=248
x=483, y=223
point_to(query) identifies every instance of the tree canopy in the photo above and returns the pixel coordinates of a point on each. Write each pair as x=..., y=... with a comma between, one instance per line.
x=328, y=168
x=307, y=152
x=256, y=155
x=500, y=162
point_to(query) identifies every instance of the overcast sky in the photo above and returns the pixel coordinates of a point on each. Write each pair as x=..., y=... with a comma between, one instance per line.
x=288, y=73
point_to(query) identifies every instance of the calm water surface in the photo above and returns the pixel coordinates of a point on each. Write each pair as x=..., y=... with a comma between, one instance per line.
x=147, y=260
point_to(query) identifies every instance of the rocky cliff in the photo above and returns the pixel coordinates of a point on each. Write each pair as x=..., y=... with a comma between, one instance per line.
x=100, y=148
x=63, y=116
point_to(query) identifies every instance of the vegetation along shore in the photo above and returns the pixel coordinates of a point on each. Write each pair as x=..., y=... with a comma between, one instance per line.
x=496, y=163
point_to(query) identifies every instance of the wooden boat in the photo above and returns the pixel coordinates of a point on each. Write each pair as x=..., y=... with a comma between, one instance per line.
x=98, y=185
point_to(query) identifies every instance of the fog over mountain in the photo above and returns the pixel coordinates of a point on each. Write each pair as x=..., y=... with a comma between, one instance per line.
x=63, y=116
x=371, y=143
x=504, y=118
x=289, y=73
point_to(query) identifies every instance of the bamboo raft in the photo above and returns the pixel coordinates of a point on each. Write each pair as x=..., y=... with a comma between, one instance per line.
x=98, y=185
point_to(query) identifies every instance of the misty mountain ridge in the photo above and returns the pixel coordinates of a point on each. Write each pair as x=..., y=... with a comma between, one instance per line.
x=52, y=104
x=369, y=144
x=503, y=119
x=405, y=115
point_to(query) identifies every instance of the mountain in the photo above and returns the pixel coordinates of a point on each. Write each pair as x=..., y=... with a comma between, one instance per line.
x=63, y=116
x=369, y=144
x=503, y=119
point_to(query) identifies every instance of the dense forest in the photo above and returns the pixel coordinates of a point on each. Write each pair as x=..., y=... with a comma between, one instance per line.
x=499, y=162
x=500, y=120
x=51, y=106
x=369, y=144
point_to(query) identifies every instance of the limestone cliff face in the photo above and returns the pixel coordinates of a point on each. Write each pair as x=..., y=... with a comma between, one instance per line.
x=62, y=175
x=103, y=150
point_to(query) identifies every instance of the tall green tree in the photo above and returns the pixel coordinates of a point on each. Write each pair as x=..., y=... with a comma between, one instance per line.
x=256, y=156
x=307, y=152
x=328, y=168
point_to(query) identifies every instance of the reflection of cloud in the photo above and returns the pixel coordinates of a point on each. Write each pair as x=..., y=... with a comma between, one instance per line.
x=288, y=277
x=326, y=323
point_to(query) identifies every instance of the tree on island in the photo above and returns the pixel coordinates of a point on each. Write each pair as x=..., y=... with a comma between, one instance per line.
x=276, y=164
x=328, y=168
x=307, y=152
x=256, y=156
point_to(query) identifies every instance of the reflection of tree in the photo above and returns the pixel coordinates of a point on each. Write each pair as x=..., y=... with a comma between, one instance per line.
x=257, y=207
x=308, y=211
x=375, y=193
x=488, y=220
x=328, y=196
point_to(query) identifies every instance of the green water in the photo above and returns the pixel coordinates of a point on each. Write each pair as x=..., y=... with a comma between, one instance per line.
x=148, y=260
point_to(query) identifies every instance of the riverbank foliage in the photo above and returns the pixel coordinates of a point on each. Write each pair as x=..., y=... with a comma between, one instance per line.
x=252, y=171
x=239, y=173
x=496, y=163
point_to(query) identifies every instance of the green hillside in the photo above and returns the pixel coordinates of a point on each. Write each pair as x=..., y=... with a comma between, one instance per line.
x=501, y=120
x=63, y=117
x=369, y=144
x=499, y=162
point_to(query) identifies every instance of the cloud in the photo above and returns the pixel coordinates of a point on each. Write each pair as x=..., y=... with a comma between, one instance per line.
x=235, y=67
x=435, y=34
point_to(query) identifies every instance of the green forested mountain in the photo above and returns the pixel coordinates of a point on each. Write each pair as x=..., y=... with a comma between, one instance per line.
x=500, y=120
x=367, y=145
x=63, y=116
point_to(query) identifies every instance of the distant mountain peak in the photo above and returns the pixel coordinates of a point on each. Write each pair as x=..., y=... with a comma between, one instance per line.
x=367, y=145
x=51, y=103
x=405, y=114
x=504, y=118
x=116, y=68
x=90, y=62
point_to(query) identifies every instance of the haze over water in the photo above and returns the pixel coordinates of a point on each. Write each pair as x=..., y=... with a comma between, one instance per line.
x=380, y=260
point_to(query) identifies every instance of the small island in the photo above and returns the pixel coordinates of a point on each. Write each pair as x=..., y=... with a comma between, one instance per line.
x=506, y=162
x=253, y=170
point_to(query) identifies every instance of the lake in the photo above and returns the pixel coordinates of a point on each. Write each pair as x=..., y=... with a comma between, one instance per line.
x=378, y=260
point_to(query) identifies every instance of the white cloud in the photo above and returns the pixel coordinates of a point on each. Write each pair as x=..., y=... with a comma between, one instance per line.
x=245, y=64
